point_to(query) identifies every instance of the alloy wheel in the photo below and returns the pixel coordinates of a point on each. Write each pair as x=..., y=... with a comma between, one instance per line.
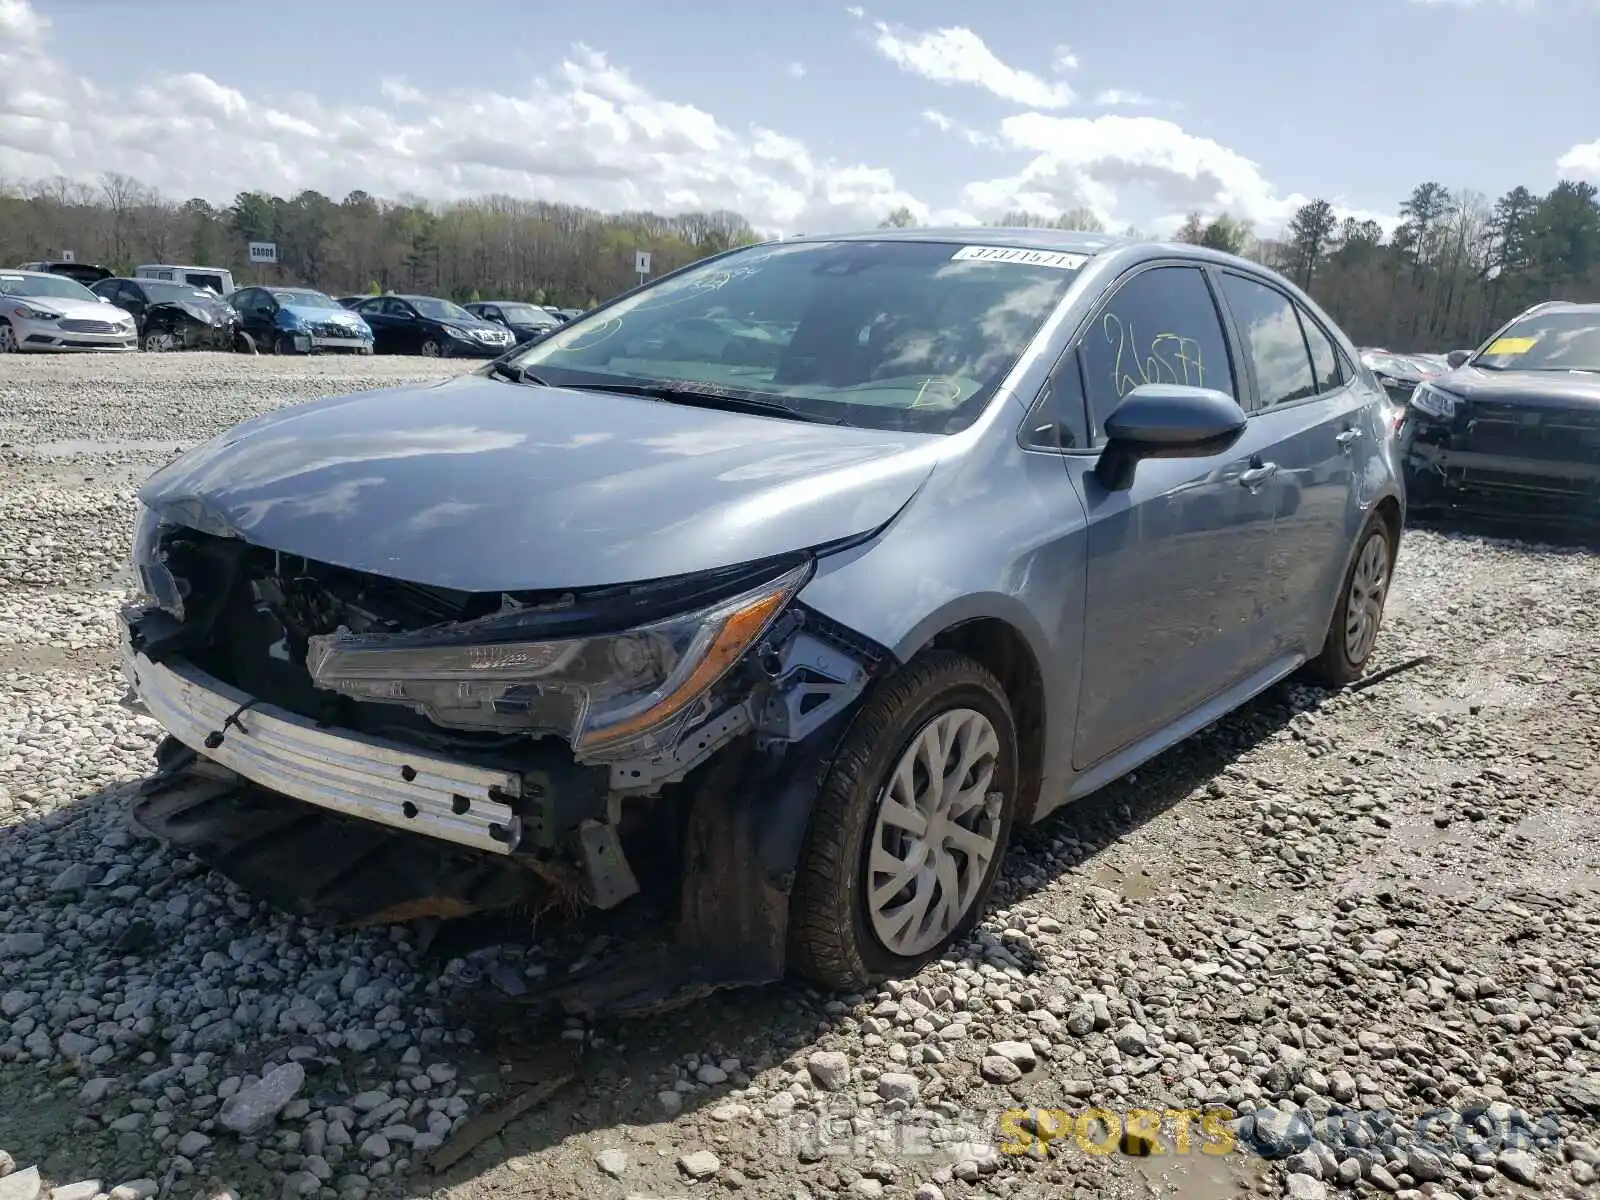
x=1369, y=583
x=936, y=831
x=430, y=349
x=8, y=339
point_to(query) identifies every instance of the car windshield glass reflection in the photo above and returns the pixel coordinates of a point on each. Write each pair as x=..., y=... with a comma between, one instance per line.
x=1548, y=342
x=891, y=335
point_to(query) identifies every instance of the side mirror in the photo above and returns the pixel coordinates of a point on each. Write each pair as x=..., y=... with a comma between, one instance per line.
x=1164, y=420
x=1456, y=357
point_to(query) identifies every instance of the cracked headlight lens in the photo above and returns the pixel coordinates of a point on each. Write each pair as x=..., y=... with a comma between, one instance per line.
x=614, y=696
x=1432, y=401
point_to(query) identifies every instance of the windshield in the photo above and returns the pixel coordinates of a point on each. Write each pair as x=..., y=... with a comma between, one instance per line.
x=302, y=299
x=526, y=314
x=56, y=286
x=174, y=293
x=889, y=335
x=440, y=310
x=1555, y=341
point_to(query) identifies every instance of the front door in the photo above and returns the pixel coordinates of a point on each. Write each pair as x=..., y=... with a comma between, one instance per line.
x=1178, y=561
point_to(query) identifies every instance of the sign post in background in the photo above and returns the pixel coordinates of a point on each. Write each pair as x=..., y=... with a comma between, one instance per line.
x=262, y=253
x=68, y=256
x=641, y=263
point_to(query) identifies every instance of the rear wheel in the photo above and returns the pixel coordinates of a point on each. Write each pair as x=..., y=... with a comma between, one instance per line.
x=909, y=828
x=1353, y=633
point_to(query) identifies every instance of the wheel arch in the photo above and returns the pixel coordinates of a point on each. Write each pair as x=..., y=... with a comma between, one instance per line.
x=1000, y=646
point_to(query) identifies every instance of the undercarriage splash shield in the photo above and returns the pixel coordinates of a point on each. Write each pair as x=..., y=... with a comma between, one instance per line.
x=318, y=864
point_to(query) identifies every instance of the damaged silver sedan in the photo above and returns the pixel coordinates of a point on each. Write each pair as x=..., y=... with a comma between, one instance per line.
x=774, y=592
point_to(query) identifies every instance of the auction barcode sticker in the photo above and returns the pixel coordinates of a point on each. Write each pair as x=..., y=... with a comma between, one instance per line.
x=1027, y=258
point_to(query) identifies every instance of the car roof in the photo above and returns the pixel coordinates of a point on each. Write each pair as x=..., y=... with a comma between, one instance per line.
x=1073, y=241
x=34, y=274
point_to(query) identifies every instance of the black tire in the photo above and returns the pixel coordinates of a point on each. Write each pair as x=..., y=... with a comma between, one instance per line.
x=284, y=344
x=439, y=348
x=831, y=940
x=1333, y=667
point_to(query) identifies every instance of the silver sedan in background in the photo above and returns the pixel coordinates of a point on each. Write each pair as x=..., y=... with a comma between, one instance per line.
x=44, y=312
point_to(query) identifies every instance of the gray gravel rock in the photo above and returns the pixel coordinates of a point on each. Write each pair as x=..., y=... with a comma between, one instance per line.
x=1378, y=900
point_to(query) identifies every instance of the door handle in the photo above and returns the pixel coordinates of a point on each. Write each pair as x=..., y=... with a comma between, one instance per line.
x=1256, y=476
x=1348, y=438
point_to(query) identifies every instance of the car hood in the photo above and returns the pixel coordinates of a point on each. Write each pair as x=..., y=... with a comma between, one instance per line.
x=76, y=310
x=1533, y=389
x=485, y=485
x=322, y=316
x=212, y=312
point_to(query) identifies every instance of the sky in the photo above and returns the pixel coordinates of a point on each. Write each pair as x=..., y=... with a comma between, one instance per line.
x=808, y=116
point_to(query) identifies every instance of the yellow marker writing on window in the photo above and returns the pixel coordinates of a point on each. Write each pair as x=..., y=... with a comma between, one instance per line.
x=1510, y=346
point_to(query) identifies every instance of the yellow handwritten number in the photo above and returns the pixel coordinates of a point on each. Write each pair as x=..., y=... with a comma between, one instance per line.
x=1170, y=358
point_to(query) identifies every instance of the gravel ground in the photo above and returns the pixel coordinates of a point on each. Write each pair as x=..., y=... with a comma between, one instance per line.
x=1360, y=932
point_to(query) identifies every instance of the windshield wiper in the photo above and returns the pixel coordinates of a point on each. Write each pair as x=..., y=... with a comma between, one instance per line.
x=505, y=370
x=708, y=397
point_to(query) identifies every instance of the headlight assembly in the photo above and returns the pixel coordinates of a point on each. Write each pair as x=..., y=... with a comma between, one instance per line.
x=1432, y=401
x=613, y=696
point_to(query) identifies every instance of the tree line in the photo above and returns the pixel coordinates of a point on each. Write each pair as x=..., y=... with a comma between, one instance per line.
x=1454, y=268
x=490, y=248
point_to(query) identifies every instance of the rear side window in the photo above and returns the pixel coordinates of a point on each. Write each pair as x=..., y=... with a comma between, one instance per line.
x=1272, y=339
x=1324, y=359
x=1161, y=326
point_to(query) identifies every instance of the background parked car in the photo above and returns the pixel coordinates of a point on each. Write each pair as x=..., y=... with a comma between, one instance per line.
x=41, y=311
x=352, y=301
x=299, y=321
x=526, y=321
x=1398, y=373
x=84, y=273
x=173, y=316
x=216, y=279
x=432, y=327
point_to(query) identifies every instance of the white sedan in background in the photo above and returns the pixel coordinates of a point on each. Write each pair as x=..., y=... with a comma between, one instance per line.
x=52, y=312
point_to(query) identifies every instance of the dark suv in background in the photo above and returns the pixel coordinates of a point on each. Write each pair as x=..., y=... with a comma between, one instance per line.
x=1512, y=430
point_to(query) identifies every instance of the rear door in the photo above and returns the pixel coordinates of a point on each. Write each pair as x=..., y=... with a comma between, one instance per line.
x=1174, y=595
x=382, y=325
x=1309, y=407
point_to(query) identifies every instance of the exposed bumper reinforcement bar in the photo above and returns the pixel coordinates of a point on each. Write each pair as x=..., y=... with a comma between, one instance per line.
x=350, y=773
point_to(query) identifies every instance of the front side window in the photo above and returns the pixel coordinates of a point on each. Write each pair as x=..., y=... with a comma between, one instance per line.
x=899, y=335
x=1553, y=341
x=1161, y=326
x=1272, y=339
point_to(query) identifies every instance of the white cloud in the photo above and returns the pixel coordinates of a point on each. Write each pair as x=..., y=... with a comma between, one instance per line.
x=1103, y=163
x=944, y=124
x=588, y=133
x=1581, y=160
x=1064, y=59
x=1122, y=98
x=797, y=70
x=856, y=11
x=955, y=55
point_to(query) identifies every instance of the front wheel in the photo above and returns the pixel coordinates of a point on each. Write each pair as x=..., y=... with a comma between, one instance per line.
x=432, y=348
x=1353, y=632
x=8, y=339
x=909, y=827
x=157, y=343
x=283, y=345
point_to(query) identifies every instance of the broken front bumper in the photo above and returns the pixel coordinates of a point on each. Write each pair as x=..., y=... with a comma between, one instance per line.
x=353, y=774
